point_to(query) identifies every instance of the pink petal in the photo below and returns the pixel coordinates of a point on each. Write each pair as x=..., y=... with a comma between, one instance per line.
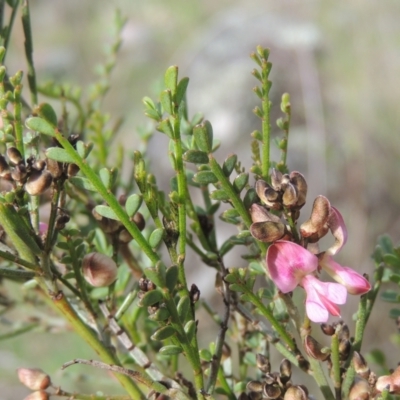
x=352, y=280
x=322, y=298
x=43, y=227
x=288, y=263
x=338, y=229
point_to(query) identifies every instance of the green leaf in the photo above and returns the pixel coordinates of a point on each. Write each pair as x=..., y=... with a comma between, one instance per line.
x=240, y=181
x=82, y=183
x=391, y=296
x=40, y=125
x=391, y=260
x=165, y=127
x=170, y=350
x=106, y=211
x=205, y=355
x=156, y=237
x=219, y=195
x=183, y=307
x=190, y=329
x=171, y=79
x=181, y=89
x=132, y=204
x=250, y=359
x=166, y=101
x=171, y=277
x=236, y=288
x=203, y=136
x=105, y=176
x=155, y=276
x=394, y=313
x=160, y=315
x=231, y=278
x=59, y=154
x=229, y=164
x=250, y=198
x=163, y=333
x=196, y=157
x=205, y=177
x=150, y=298
x=47, y=112
x=19, y=234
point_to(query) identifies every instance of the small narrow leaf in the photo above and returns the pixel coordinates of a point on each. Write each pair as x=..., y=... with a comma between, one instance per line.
x=196, y=157
x=181, y=89
x=170, y=350
x=166, y=101
x=205, y=177
x=105, y=176
x=171, y=277
x=229, y=164
x=171, y=79
x=236, y=288
x=106, y=211
x=205, y=355
x=163, y=333
x=190, y=329
x=203, y=136
x=82, y=183
x=160, y=315
x=154, y=275
x=156, y=237
x=183, y=307
x=150, y=298
x=240, y=181
x=220, y=195
x=133, y=203
x=59, y=154
x=165, y=127
x=40, y=125
x=46, y=111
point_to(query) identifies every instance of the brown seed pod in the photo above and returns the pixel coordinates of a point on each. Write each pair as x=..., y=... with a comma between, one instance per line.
x=138, y=219
x=99, y=270
x=360, y=390
x=34, y=378
x=314, y=349
x=272, y=391
x=14, y=156
x=39, y=395
x=19, y=173
x=54, y=167
x=38, y=182
x=72, y=170
x=285, y=371
x=263, y=363
x=360, y=365
x=255, y=386
x=296, y=393
x=124, y=236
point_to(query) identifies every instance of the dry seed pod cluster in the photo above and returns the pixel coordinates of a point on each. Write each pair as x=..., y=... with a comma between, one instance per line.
x=32, y=173
x=286, y=192
x=274, y=385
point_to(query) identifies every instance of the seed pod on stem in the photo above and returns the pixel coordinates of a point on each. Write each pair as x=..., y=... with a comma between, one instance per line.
x=34, y=378
x=99, y=270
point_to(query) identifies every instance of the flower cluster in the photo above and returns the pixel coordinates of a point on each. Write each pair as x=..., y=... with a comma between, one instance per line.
x=290, y=264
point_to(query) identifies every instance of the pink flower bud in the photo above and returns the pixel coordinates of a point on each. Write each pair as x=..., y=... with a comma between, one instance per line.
x=99, y=270
x=33, y=378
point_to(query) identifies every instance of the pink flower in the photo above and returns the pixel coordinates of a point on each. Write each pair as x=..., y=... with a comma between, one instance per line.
x=291, y=265
x=353, y=281
x=322, y=298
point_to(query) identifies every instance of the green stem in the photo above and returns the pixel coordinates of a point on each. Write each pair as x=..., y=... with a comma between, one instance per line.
x=63, y=306
x=227, y=186
x=191, y=353
x=17, y=274
x=76, y=396
x=7, y=34
x=19, y=331
x=280, y=330
x=224, y=384
x=362, y=316
x=337, y=379
x=109, y=198
x=26, y=23
x=17, y=260
x=320, y=378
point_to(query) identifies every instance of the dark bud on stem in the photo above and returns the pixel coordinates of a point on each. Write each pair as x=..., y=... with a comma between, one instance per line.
x=194, y=294
x=263, y=363
x=360, y=365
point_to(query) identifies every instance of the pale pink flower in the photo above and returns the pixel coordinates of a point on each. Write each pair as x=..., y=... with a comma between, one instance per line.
x=291, y=265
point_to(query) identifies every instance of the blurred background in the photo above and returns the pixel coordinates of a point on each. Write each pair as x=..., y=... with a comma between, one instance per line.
x=340, y=62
